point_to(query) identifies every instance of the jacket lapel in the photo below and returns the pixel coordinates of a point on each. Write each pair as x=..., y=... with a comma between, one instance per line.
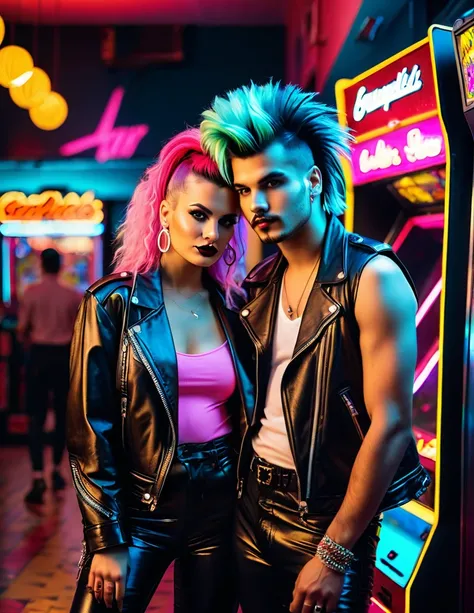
x=153, y=333
x=321, y=308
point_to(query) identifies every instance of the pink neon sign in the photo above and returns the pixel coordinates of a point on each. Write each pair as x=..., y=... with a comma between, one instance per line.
x=402, y=151
x=424, y=221
x=112, y=142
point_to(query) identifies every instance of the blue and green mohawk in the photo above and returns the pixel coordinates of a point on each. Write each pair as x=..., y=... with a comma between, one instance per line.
x=247, y=120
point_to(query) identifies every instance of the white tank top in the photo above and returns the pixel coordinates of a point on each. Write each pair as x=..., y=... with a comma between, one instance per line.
x=271, y=442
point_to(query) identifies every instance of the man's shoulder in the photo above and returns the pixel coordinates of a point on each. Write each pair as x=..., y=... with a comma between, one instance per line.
x=259, y=273
x=368, y=245
x=364, y=251
x=117, y=282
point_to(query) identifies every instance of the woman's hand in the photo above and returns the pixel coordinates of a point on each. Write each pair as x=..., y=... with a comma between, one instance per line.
x=108, y=575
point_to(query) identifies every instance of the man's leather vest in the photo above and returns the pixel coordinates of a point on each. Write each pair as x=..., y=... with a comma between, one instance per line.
x=322, y=388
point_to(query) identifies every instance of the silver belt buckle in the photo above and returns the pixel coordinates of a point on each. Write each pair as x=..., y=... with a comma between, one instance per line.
x=264, y=474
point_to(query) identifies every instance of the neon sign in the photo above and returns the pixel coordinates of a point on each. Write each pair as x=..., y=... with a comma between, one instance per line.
x=392, y=92
x=50, y=206
x=51, y=228
x=401, y=151
x=112, y=142
x=383, y=97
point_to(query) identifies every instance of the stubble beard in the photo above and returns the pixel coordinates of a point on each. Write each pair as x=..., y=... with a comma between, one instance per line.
x=287, y=234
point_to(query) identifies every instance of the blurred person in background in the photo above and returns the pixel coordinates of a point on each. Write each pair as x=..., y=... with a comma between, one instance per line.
x=46, y=319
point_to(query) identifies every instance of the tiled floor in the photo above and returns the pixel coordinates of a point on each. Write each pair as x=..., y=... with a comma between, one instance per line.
x=40, y=545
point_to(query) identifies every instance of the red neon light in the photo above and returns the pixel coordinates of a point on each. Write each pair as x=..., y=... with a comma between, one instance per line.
x=427, y=370
x=111, y=142
x=422, y=221
x=425, y=222
x=425, y=307
x=405, y=231
x=379, y=605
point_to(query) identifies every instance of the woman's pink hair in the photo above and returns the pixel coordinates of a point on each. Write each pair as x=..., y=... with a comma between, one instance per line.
x=138, y=234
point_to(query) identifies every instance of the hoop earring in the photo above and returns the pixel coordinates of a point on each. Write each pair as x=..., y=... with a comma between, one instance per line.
x=164, y=231
x=229, y=251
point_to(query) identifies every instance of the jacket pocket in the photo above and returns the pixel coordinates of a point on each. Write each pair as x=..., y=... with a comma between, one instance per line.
x=83, y=493
x=353, y=412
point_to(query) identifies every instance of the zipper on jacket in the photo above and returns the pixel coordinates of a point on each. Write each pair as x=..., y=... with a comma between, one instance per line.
x=240, y=480
x=82, y=559
x=84, y=494
x=147, y=498
x=347, y=400
x=123, y=411
x=124, y=398
x=316, y=425
x=303, y=505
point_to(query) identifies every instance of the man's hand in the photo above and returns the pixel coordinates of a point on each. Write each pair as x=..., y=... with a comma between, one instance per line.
x=316, y=585
x=108, y=575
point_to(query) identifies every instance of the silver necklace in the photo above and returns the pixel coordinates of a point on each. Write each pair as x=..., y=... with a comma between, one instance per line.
x=289, y=310
x=193, y=312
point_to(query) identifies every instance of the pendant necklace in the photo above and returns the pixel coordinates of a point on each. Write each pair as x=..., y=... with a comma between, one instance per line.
x=193, y=312
x=289, y=310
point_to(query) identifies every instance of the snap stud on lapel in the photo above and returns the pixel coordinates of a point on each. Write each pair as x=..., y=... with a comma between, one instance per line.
x=245, y=313
x=134, y=300
x=332, y=308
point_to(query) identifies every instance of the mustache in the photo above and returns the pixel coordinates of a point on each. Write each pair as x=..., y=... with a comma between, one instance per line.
x=259, y=218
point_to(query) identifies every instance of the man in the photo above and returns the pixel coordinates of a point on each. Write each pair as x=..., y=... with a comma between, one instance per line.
x=332, y=317
x=47, y=314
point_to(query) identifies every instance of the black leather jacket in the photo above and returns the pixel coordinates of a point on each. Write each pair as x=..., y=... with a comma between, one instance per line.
x=122, y=409
x=322, y=393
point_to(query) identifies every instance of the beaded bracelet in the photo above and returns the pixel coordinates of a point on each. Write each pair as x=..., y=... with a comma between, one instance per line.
x=334, y=556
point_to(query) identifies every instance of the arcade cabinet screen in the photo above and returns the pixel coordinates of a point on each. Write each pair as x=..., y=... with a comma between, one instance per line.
x=425, y=187
x=76, y=252
x=465, y=43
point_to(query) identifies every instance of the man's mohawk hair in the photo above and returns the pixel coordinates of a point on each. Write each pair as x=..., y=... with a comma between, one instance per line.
x=247, y=120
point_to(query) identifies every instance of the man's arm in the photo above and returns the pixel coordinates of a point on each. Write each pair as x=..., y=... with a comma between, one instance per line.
x=385, y=311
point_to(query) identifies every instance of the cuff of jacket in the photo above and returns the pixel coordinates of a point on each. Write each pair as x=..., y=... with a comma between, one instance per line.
x=104, y=536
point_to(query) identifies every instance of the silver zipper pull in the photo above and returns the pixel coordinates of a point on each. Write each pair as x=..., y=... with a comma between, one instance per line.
x=123, y=406
x=125, y=344
x=303, y=508
x=149, y=500
x=240, y=488
x=82, y=559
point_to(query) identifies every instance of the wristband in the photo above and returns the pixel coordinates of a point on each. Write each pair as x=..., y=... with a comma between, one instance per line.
x=334, y=556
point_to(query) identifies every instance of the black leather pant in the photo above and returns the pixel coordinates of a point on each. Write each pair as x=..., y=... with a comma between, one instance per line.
x=274, y=543
x=193, y=525
x=47, y=369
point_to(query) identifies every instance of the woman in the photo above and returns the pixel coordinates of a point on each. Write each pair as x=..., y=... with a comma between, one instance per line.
x=156, y=391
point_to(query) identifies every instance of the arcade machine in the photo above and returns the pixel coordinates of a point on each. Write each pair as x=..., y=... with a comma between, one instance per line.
x=72, y=225
x=463, y=35
x=409, y=184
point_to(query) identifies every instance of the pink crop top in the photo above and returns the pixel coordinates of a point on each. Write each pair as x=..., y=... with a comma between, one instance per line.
x=206, y=382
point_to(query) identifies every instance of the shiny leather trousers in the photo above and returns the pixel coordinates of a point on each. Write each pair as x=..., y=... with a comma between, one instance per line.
x=274, y=543
x=193, y=525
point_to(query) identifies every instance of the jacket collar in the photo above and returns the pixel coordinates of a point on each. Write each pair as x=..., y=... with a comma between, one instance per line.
x=259, y=315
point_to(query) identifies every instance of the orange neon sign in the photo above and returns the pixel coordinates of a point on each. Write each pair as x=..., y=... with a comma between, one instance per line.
x=51, y=205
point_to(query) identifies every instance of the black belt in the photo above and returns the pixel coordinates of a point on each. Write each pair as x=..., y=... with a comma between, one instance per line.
x=274, y=476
